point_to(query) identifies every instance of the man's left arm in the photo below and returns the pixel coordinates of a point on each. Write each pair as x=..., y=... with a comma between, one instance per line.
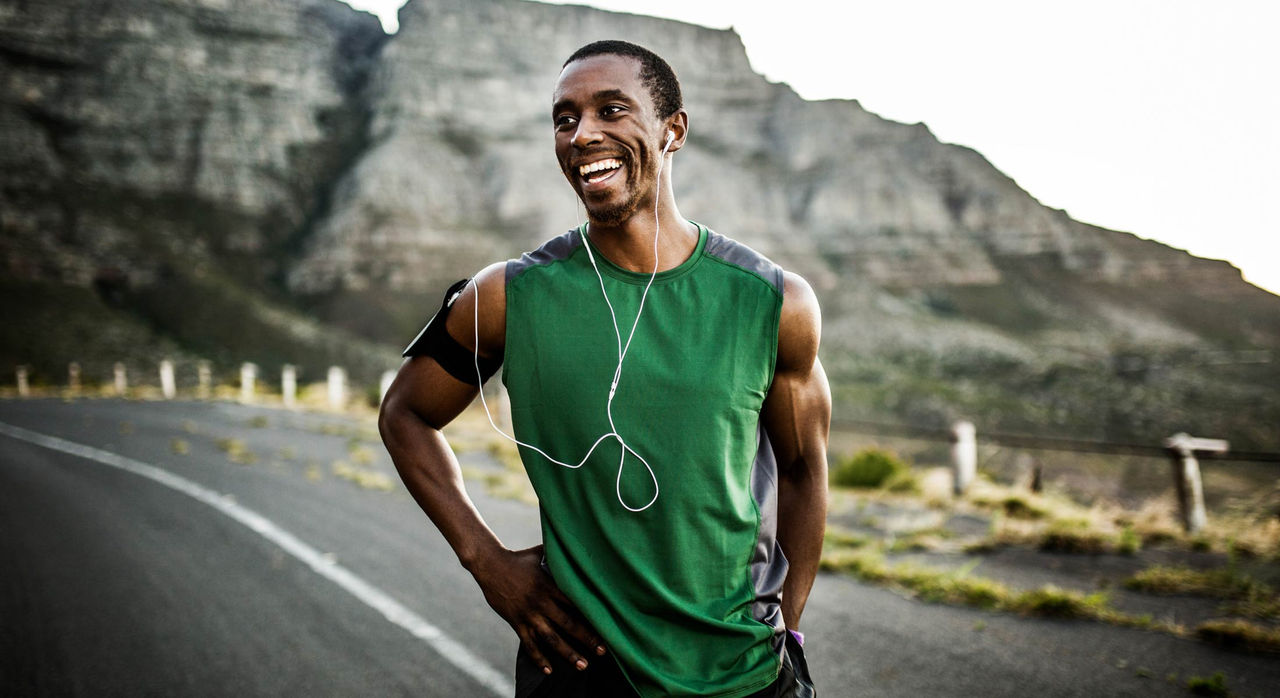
x=797, y=417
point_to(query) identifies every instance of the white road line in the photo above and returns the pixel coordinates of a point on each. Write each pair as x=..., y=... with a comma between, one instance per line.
x=375, y=598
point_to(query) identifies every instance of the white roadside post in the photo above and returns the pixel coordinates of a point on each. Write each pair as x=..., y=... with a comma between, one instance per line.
x=73, y=378
x=168, y=386
x=120, y=379
x=203, y=380
x=964, y=456
x=289, y=385
x=504, y=407
x=1186, y=475
x=248, y=376
x=337, y=387
x=24, y=388
x=385, y=384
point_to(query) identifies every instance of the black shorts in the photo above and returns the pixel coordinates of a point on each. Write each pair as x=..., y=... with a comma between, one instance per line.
x=602, y=677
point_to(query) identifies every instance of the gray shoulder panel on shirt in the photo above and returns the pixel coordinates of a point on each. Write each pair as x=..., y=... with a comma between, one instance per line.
x=556, y=249
x=743, y=257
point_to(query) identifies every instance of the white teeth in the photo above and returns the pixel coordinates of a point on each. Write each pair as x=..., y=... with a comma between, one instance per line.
x=607, y=164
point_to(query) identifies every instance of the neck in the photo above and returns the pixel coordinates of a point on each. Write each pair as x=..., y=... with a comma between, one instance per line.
x=629, y=244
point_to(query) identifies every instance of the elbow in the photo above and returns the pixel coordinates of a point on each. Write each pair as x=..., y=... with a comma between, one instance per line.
x=805, y=480
x=389, y=413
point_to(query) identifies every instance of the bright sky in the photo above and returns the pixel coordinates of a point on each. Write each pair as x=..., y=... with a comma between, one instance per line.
x=1156, y=117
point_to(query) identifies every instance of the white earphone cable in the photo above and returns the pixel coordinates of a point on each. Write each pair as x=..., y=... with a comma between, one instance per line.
x=617, y=373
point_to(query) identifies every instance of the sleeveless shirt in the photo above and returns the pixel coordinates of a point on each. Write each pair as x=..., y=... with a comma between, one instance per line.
x=685, y=593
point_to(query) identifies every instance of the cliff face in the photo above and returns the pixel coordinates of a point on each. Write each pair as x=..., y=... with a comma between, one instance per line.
x=139, y=136
x=462, y=157
x=157, y=153
x=459, y=172
x=158, y=159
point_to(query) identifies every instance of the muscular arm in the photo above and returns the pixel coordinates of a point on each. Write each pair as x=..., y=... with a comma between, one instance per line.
x=420, y=402
x=797, y=417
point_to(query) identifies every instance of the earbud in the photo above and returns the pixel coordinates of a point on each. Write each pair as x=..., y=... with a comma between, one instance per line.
x=671, y=136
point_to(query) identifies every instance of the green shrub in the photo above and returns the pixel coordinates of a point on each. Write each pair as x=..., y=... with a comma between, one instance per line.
x=872, y=467
x=1128, y=542
x=1215, y=685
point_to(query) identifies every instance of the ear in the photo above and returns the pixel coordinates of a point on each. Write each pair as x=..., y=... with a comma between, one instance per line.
x=678, y=127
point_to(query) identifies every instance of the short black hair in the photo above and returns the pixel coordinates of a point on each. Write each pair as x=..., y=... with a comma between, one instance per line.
x=655, y=74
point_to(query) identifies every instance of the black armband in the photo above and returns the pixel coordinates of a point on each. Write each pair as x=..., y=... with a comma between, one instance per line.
x=435, y=341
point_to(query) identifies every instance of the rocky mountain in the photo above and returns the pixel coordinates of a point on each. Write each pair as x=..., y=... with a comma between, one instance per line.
x=164, y=155
x=159, y=159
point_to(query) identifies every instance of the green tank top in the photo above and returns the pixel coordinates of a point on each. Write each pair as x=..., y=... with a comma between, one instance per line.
x=686, y=591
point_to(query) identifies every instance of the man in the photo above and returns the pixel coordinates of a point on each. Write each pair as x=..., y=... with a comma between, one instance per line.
x=672, y=414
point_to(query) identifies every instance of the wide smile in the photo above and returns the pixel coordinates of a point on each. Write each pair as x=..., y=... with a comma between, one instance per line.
x=595, y=176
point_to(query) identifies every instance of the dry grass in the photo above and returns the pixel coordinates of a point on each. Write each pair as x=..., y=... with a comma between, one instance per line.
x=237, y=451
x=839, y=537
x=365, y=478
x=1262, y=607
x=1240, y=634
x=360, y=454
x=957, y=587
x=1054, y=523
x=1219, y=582
x=1249, y=597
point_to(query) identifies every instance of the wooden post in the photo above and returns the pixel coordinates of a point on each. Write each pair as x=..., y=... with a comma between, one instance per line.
x=289, y=385
x=24, y=388
x=203, y=380
x=168, y=387
x=964, y=456
x=73, y=378
x=337, y=387
x=248, y=376
x=385, y=384
x=1186, y=475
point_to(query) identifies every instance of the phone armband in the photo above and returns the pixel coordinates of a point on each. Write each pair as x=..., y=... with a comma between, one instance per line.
x=435, y=341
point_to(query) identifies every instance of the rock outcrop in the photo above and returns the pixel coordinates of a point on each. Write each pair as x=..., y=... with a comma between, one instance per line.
x=288, y=157
x=156, y=134
x=461, y=160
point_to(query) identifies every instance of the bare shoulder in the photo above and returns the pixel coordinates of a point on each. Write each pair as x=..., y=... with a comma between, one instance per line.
x=800, y=328
x=423, y=389
x=491, y=314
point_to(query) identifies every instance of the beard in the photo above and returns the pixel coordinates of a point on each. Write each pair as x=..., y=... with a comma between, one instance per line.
x=616, y=213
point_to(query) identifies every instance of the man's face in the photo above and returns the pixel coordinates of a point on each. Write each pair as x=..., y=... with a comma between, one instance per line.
x=608, y=138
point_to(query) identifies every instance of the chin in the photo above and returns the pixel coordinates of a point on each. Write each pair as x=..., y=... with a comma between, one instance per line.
x=613, y=214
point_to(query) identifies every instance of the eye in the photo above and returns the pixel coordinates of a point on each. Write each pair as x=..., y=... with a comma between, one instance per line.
x=564, y=121
x=612, y=110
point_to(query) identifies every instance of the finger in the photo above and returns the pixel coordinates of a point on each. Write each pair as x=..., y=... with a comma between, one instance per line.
x=566, y=614
x=573, y=624
x=535, y=653
x=552, y=640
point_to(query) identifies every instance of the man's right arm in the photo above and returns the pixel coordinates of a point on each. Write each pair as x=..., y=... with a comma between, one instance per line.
x=420, y=402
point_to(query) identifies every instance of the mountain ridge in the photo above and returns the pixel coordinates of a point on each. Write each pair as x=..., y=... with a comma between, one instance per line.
x=295, y=154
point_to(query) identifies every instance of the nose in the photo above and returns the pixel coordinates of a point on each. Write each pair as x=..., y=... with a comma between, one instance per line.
x=587, y=133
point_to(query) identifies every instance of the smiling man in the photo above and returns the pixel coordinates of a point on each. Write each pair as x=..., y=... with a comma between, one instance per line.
x=671, y=412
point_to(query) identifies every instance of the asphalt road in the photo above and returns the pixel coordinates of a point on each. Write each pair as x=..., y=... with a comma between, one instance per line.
x=277, y=577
